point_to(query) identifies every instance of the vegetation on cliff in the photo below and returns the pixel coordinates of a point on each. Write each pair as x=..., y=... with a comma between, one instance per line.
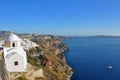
x=51, y=58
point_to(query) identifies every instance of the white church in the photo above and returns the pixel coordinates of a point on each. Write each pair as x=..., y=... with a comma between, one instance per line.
x=14, y=54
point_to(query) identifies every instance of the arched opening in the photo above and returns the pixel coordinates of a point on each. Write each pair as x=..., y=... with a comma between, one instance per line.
x=13, y=45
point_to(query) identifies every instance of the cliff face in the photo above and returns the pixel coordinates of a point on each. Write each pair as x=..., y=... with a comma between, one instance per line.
x=52, y=59
x=47, y=60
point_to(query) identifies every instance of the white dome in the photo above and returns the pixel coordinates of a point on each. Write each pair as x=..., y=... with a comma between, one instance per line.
x=12, y=37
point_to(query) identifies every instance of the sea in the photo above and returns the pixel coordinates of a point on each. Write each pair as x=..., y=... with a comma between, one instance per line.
x=90, y=58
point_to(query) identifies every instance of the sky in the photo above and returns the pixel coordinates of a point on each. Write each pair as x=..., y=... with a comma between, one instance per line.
x=61, y=17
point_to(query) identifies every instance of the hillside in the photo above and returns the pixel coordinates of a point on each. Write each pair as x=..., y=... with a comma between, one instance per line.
x=48, y=56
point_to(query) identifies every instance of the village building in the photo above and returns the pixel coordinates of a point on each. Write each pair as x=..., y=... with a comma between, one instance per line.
x=14, y=54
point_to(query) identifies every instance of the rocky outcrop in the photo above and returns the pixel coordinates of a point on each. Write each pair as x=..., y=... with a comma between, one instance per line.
x=54, y=61
x=3, y=71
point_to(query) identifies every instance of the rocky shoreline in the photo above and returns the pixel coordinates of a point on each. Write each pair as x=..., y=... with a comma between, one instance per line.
x=69, y=76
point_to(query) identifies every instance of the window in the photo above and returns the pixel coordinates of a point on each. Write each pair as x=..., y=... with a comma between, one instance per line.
x=13, y=45
x=16, y=63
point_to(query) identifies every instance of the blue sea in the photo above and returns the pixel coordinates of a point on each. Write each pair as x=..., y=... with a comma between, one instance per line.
x=90, y=57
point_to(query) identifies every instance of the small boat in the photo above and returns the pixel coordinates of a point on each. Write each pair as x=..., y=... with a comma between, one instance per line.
x=109, y=67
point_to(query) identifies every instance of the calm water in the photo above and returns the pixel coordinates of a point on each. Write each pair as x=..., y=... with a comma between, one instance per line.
x=89, y=58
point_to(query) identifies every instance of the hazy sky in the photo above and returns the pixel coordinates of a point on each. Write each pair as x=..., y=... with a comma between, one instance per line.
x=61, y=17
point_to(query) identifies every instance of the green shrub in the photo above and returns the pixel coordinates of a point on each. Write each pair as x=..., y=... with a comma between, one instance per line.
x=21, y=78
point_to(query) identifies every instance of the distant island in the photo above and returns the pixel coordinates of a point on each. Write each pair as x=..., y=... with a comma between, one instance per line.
x=96, y=36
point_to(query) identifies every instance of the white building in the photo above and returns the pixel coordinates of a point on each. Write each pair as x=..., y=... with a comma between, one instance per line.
x=2, y=43
x=14, y=54
x=27, y=44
